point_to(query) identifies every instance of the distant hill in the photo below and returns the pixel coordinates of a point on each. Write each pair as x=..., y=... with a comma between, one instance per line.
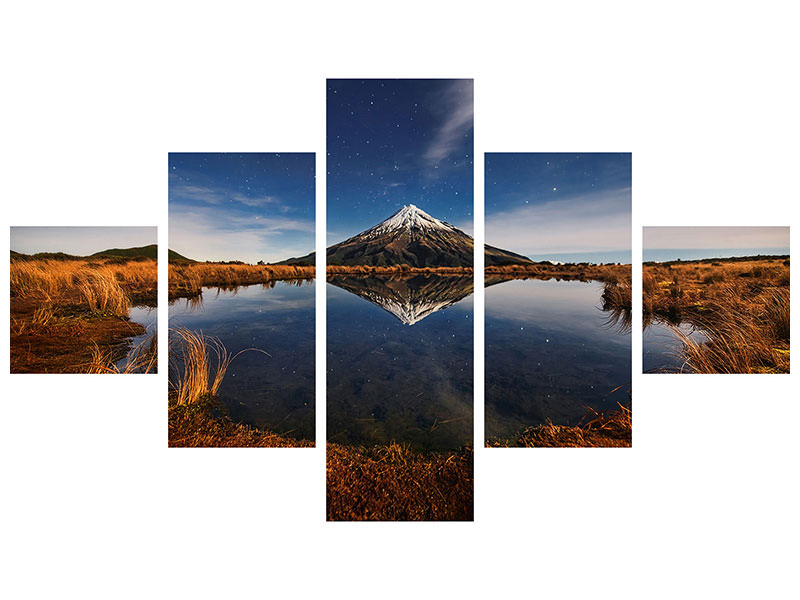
x=44, y=256
x=495, y=257
x=309, y=260
x=150, y=251
x=173, y=256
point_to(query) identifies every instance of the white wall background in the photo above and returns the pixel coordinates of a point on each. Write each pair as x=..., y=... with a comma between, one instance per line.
x=96, y=95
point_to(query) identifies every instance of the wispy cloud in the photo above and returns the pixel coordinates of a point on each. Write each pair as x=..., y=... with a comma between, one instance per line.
x=191, y=193
x=456, y=106
x=256, y=200
x=210, y=233
x=587, y=223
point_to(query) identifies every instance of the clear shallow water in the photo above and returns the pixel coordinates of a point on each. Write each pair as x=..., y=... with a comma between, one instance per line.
x=388, y=380
x=275, y=392
x=551, y=353
x=146, y=316
x=661, y=348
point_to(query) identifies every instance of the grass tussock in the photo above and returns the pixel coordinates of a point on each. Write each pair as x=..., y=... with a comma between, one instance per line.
x=741, y=306
x=188, y=279
x=396, y=483
x=103, y=293
x=611, y=429
x=198, y=364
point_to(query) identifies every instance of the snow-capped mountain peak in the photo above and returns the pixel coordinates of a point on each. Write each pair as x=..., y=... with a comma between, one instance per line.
x=410, y=217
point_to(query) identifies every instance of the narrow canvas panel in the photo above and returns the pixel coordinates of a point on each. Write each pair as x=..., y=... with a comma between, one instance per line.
x=399, y=299
x=241, y=293
x=558, y=300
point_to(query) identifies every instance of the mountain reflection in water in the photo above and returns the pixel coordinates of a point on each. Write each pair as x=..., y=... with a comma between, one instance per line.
x=400, y=364
x=410, y=299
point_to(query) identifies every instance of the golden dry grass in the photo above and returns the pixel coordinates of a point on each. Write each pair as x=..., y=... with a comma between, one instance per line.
x=743, y=336
x=193, y=426
x=71, y=315
x=741, y=306
x=611, y=429
x=103, y=293
x=205, y=361
x=396, y=483
x=103, y=285
x=188, y=279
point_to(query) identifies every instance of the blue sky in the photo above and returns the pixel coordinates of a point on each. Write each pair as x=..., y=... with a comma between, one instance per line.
x=392, y=142
x=80, y=241
x=564, y=207
x=246, y=207
x=692, y=243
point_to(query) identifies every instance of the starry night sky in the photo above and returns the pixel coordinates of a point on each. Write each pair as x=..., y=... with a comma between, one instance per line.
x=247, y=207
x=398, y=141
x=562, y=207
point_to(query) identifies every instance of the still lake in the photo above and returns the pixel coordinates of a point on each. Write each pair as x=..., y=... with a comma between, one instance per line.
x=551, y=354
x=274, y=392
x=662, y=348
x=399, y=361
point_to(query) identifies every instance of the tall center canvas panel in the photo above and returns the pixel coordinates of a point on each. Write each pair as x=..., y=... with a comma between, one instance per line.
x=399, y=299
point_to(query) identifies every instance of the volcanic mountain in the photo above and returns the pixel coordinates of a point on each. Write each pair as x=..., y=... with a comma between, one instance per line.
x=413, y=237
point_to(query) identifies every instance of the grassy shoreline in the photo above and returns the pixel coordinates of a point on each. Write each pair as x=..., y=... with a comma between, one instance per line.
x=196, y=427
x=607, y=273
x=617, y=296
x=187, y=280
x=70, y=315
x=609, y=429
